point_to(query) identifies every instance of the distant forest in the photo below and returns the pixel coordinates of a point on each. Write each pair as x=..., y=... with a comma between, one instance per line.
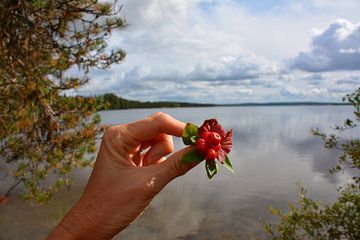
x=111, y=101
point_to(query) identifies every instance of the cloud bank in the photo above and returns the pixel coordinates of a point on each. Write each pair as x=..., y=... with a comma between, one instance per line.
x=336, y=48
x=234, y=51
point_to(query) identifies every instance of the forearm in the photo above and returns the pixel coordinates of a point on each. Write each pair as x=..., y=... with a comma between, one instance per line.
x=80, y=223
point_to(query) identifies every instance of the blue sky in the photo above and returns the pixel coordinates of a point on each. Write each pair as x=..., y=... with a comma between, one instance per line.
x=257, y=6
x=234, y=51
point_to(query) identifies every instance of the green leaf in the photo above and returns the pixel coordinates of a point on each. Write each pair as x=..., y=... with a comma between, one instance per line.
x=211, y=168
x=193, y=139
x=228, y=165
x=348, y=122
x=191, y=157
x=190, y=136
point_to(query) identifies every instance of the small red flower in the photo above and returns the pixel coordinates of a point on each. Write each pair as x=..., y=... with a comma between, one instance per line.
x=226, y=146
x=211, y=125
x=210, y=154
x=201, y=146
x=214, y=142
x=211, y=142
x=217, y=147
x=214, y=139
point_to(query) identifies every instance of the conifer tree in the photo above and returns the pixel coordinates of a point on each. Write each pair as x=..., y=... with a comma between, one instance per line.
x=42, y=132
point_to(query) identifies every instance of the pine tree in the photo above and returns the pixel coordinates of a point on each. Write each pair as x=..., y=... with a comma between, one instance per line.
x=42, y=132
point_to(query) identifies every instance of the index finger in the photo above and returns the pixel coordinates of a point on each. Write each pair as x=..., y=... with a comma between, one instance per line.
x=150, y=127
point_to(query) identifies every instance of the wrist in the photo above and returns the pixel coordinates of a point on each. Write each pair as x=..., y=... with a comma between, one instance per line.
x=80, y=222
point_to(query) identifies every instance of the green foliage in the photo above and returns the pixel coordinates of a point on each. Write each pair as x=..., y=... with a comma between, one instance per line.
x=192, y=157
x=211, y=168
x=314, y=220
x=42, y=132
x=340, y=220
x=190, y=134
x=228, y=165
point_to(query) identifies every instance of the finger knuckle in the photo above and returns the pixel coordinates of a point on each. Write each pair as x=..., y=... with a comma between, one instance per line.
x=108, y=134
x=160, y=116
x=112, y=133
x=168, y=148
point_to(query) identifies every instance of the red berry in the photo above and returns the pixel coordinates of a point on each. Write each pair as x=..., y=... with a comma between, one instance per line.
x=205, y=135
x=217, y=147
x=210, y=154
x=201, y=145
x=213, y=139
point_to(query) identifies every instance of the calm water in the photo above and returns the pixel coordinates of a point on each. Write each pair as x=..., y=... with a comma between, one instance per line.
x=273, y=150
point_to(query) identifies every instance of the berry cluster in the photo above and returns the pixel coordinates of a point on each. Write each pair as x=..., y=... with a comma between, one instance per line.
x=209, y=145
x=212, y=142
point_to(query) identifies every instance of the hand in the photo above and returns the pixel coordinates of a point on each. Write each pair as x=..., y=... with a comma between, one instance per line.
x=124, y=179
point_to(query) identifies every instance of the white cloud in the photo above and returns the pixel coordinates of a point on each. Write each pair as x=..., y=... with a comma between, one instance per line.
x=335, y=48
x=351, y=80
x=226, y=51
x=303, y=93
x=243, y=67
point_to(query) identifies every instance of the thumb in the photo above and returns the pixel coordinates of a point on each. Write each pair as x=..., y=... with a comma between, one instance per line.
x=172, y=167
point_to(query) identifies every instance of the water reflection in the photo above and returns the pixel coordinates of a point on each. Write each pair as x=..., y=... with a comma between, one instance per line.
x=273, y=149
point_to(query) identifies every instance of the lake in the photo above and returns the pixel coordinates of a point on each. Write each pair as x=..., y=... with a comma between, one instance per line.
x=273, y=151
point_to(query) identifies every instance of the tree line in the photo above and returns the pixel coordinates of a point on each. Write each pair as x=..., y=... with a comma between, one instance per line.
x=111, y=101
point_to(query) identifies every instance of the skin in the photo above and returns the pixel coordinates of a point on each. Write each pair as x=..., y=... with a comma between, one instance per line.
x=130, y=170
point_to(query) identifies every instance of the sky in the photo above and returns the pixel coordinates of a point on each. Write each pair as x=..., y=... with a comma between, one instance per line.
x=234, y=51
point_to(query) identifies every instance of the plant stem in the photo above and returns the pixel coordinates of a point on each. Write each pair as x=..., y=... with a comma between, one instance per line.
x=7, y=194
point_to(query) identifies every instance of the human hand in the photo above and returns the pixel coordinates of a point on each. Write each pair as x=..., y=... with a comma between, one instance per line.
x=125, y=178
